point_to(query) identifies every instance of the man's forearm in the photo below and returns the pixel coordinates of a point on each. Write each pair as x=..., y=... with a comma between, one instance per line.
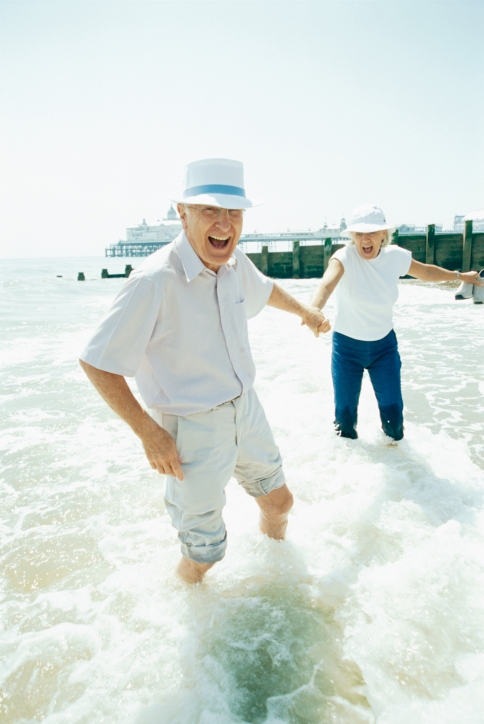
x=283, y=300
x=115, y=391
x=313, y=318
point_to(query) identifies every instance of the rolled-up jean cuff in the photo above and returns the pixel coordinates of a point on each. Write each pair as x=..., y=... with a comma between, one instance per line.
x=205, y=554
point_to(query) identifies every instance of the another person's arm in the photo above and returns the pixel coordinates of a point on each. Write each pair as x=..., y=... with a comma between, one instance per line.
x=310, y=316
x=432, y=273
x=158, y=444
x=328, y=283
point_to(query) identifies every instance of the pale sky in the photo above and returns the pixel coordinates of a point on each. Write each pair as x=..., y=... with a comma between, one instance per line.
x=329, y=104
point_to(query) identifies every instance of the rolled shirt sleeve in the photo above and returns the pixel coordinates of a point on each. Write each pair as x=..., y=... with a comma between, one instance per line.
x=119, y=343
x=405, y=261
x=257, y=287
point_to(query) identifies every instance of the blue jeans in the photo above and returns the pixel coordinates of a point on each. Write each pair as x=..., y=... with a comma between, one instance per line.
x=350, y=357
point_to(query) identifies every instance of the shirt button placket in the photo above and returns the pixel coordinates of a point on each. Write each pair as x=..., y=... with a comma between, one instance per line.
x=223, y=303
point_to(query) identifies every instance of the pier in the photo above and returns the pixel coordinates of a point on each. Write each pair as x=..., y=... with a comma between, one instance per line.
x=309, y=252
x=134, y=247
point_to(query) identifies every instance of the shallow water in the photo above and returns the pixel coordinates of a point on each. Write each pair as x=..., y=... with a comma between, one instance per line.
x=371, y=611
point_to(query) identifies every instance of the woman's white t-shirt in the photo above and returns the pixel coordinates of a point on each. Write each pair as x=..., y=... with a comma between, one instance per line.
x=367, y=291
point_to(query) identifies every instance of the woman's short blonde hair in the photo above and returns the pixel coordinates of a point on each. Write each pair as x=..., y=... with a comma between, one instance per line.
x=385, y=242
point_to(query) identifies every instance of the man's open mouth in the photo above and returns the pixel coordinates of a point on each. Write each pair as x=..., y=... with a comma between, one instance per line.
x=219, y=241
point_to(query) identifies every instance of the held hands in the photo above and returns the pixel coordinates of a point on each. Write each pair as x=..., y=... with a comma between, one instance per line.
x=160, y=449
x=316, y=321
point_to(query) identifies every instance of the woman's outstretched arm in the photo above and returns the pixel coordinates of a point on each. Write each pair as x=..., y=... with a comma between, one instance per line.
x=432, y=273
x=328, y=283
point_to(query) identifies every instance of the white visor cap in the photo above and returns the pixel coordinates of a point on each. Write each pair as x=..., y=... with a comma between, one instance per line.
x=215, y=182
x=367, y=218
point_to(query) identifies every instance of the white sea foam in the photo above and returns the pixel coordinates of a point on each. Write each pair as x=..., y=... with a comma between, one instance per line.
x=372, y=610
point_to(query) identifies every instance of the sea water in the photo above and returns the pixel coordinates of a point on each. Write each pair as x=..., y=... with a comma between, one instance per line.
x=371, y=611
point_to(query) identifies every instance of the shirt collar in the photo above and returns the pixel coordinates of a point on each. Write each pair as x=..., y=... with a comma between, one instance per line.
x=191, y=262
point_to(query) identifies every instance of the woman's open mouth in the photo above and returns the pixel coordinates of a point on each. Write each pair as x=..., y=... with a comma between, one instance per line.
x=219, y=242
x=367, y=250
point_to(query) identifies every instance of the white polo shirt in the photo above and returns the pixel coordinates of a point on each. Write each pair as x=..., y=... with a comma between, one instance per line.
x=181, y=329
x=367, y=291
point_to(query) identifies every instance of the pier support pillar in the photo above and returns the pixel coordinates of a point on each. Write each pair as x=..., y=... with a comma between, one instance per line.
x=104, y=274
x=296, y=260
x=430, y=245
x=467, y=247
x=127, y=270
x=264, y=261
x=328, y=248
x=81, y=277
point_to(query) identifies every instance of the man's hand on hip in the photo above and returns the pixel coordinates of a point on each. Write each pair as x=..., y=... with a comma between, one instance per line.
x=160, y=449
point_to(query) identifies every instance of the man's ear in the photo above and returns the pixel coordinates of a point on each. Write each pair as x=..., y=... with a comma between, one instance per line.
x=182, y=213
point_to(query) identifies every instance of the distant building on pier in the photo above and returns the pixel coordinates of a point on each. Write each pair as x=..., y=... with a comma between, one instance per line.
x=143, y=240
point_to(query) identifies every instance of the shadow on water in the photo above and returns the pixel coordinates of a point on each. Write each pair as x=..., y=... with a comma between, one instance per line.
x=263, y=650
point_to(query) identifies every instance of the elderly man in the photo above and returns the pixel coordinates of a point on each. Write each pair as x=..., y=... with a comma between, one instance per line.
x=179, y=326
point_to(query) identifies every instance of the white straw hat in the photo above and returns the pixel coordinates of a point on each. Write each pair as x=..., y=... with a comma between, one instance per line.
x=216, y=182
x=367, y=218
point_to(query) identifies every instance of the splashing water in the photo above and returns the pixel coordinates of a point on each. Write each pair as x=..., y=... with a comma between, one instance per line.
x=371, y=611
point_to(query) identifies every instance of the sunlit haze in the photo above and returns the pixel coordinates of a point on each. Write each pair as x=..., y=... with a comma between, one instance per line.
x=328, y=104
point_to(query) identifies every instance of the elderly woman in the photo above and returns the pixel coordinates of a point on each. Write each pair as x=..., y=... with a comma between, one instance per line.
x=365, y=275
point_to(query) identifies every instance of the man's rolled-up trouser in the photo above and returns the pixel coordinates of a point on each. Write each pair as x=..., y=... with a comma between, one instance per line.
x=233, y=439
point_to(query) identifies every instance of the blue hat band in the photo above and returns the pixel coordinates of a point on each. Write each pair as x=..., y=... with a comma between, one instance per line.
x=214, y=189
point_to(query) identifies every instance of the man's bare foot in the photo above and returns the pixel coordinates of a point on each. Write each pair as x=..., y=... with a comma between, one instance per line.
x=191, y=571
x=274, y=510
